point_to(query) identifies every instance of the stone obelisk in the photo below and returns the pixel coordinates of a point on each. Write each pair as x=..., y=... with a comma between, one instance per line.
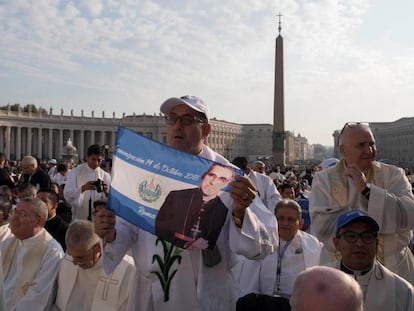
x=279, y=104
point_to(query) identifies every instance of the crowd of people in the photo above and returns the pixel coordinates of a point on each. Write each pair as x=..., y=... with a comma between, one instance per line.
x=329, y=237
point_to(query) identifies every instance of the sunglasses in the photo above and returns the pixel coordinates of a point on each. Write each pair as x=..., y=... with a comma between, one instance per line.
x=185, y=119
x=352, y=125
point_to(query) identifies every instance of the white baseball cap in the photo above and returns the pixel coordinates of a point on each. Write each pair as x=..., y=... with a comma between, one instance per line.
x=328, y=163
x=191, y=101
x=52, y=161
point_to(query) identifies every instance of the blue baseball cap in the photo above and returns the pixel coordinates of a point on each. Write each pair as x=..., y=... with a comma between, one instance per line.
x=356, y=214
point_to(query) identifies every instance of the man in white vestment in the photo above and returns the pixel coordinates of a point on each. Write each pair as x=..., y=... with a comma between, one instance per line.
x=2, y=298
x=83, y=285
x=197, y=279
x=322, y=288
x=266, y=189
x=381, y=190
x=31, y=259
x=356, y=241
x=87, y=183
x=297, y=250
x=5, y=209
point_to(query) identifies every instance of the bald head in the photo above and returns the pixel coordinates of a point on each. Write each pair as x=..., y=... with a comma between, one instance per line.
x=29, y=160
x=351, y=128
x=325, y=289
x=357, y=145
x=29, y=165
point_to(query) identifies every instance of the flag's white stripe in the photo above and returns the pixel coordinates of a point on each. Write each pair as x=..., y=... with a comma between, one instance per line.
x=127, y=178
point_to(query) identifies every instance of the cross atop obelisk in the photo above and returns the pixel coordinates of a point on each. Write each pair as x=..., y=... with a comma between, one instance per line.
x=279, y=103
x=280, y=22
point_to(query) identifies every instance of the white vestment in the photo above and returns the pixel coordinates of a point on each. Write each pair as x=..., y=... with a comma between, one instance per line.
x=60, y=179
x=383, y=289
x=30, y=269
x=92, y=289
x=2, y=298
x=79, y=200
x=391, y=204
x=193, y=286
x=5, y=232
x=266, y=189
x=260, y=276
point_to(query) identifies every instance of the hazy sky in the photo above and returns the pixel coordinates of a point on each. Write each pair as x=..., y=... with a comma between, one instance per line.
x=349, y=60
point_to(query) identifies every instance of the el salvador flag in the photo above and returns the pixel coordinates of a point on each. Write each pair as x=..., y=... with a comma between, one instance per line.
x=144, y=172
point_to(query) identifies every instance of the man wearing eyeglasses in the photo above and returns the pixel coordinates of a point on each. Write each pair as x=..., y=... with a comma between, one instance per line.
x=33, y=174
x=30, y=258
x=190, y=281
x=358, y=181
x=297, y=250
x=83, y=285
x=357, y=241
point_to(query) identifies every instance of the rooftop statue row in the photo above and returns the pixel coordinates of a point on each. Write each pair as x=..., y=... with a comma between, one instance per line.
x=31, y=109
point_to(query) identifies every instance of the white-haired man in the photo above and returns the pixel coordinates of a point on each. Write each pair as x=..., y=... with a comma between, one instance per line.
x=297, y=250
x=83, y=285
x=33, y=174
x=381, y=190
x=31, y=258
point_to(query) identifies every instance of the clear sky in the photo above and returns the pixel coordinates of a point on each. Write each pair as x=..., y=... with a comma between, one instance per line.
x=348, y=60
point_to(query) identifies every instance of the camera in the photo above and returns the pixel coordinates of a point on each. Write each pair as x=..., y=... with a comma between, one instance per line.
x=99, y=185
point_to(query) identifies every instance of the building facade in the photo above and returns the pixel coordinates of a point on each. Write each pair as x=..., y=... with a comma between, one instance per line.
x=44, y=135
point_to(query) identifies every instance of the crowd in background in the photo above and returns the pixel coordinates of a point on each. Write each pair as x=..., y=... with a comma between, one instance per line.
x=62, y=249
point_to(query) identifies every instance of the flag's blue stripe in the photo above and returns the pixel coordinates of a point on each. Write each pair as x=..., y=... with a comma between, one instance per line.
x=158, y=158
x=140, y=215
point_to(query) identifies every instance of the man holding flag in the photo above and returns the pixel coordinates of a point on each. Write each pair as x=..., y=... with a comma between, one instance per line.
x=171, y=278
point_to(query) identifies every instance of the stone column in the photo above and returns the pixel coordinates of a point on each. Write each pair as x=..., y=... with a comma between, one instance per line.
x=50, y=144
x=113, y=137
x=29, y=141
x=81, y=148
x=2, y=138
x=92, y=138
x=18, y=143
x=60, y=142
x=39, y=143
x=7, y=138
x=103, y=142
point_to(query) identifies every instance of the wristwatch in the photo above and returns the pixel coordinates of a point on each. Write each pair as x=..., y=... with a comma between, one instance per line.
x=367, y=191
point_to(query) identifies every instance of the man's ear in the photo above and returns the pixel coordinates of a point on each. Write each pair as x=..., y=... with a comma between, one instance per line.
x=206, y=130
x=335, y=241
x=341, y=148
x=98, y=247
x=301, y=223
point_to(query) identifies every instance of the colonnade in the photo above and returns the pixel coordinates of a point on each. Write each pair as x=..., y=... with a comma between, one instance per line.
x=49, y=142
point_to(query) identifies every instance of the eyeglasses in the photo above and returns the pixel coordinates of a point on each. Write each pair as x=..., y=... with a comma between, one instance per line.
x=21, y=213
x=367, y=237
x=185, y=119
x=81, y=259
x=352, y=125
